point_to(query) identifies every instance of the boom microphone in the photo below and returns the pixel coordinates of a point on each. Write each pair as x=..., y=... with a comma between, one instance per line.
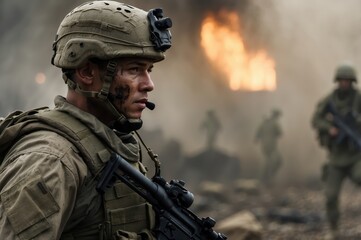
x=150, y=105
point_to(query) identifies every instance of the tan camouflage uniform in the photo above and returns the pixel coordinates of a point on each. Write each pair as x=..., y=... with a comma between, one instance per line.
x=343, y=157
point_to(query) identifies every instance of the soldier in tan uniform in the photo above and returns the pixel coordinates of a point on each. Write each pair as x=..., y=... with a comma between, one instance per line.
x=212, y=126
x=52, y=158
x=344, y=154
x=268, y=135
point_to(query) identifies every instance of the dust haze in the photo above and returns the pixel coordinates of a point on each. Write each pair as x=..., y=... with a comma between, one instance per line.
x=307, y=40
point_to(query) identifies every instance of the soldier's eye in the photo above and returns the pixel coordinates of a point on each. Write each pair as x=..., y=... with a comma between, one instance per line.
x=134, y=70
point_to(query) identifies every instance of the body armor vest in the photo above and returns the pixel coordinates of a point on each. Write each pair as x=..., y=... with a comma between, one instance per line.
x=126, y=215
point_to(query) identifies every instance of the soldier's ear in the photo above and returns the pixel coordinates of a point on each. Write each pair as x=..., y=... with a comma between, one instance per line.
x=87, y=74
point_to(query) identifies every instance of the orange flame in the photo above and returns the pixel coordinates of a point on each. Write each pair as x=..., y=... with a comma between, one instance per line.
x=224, y=46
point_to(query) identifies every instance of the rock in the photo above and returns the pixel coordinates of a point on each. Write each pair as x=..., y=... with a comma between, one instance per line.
x=241, y=226
x=290, y=215
x=213, y=165
x=251, y=186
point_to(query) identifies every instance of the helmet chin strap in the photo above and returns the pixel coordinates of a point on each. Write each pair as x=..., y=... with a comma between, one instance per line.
x=121, y=123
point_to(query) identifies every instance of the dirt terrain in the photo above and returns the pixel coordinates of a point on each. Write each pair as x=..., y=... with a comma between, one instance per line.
x=287, y=212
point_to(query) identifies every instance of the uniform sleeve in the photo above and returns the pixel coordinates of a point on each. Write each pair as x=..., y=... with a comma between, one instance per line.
x=38, y=188
x=319, y=121
x=358, y=110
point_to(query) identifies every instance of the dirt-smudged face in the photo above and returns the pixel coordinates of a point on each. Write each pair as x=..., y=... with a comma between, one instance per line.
x=131, y=85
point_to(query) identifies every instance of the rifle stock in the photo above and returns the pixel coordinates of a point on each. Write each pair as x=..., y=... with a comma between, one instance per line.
x=170, y=202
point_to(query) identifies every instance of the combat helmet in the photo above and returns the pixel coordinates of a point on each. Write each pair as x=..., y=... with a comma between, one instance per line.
x=107, y=30
x=345, y=71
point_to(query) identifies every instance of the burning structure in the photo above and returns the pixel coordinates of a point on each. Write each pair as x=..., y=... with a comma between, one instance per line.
x=221, y=39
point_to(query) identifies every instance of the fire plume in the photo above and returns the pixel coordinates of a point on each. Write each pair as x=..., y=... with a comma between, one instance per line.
x=222, y=42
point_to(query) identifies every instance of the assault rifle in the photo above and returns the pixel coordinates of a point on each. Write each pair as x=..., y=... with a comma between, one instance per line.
x=170, y=202
x=347, y=125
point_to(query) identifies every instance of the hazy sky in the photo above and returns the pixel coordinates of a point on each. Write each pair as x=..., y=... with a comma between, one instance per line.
x=307, y=40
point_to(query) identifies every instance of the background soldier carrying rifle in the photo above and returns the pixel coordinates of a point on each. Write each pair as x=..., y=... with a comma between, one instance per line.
x=337, y=122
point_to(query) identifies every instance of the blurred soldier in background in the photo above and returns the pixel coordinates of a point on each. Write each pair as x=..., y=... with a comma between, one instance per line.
x=52, y=158
x=337, y=121
x=268, y=135
x=212, y=126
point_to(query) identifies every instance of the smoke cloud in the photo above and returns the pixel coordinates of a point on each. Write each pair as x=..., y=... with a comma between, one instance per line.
x=307, y=40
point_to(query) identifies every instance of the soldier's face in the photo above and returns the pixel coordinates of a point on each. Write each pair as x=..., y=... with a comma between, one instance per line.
x=344, y=84
x=131, y=85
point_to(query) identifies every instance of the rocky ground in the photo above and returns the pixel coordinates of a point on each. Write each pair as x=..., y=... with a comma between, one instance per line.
x=284, y=212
